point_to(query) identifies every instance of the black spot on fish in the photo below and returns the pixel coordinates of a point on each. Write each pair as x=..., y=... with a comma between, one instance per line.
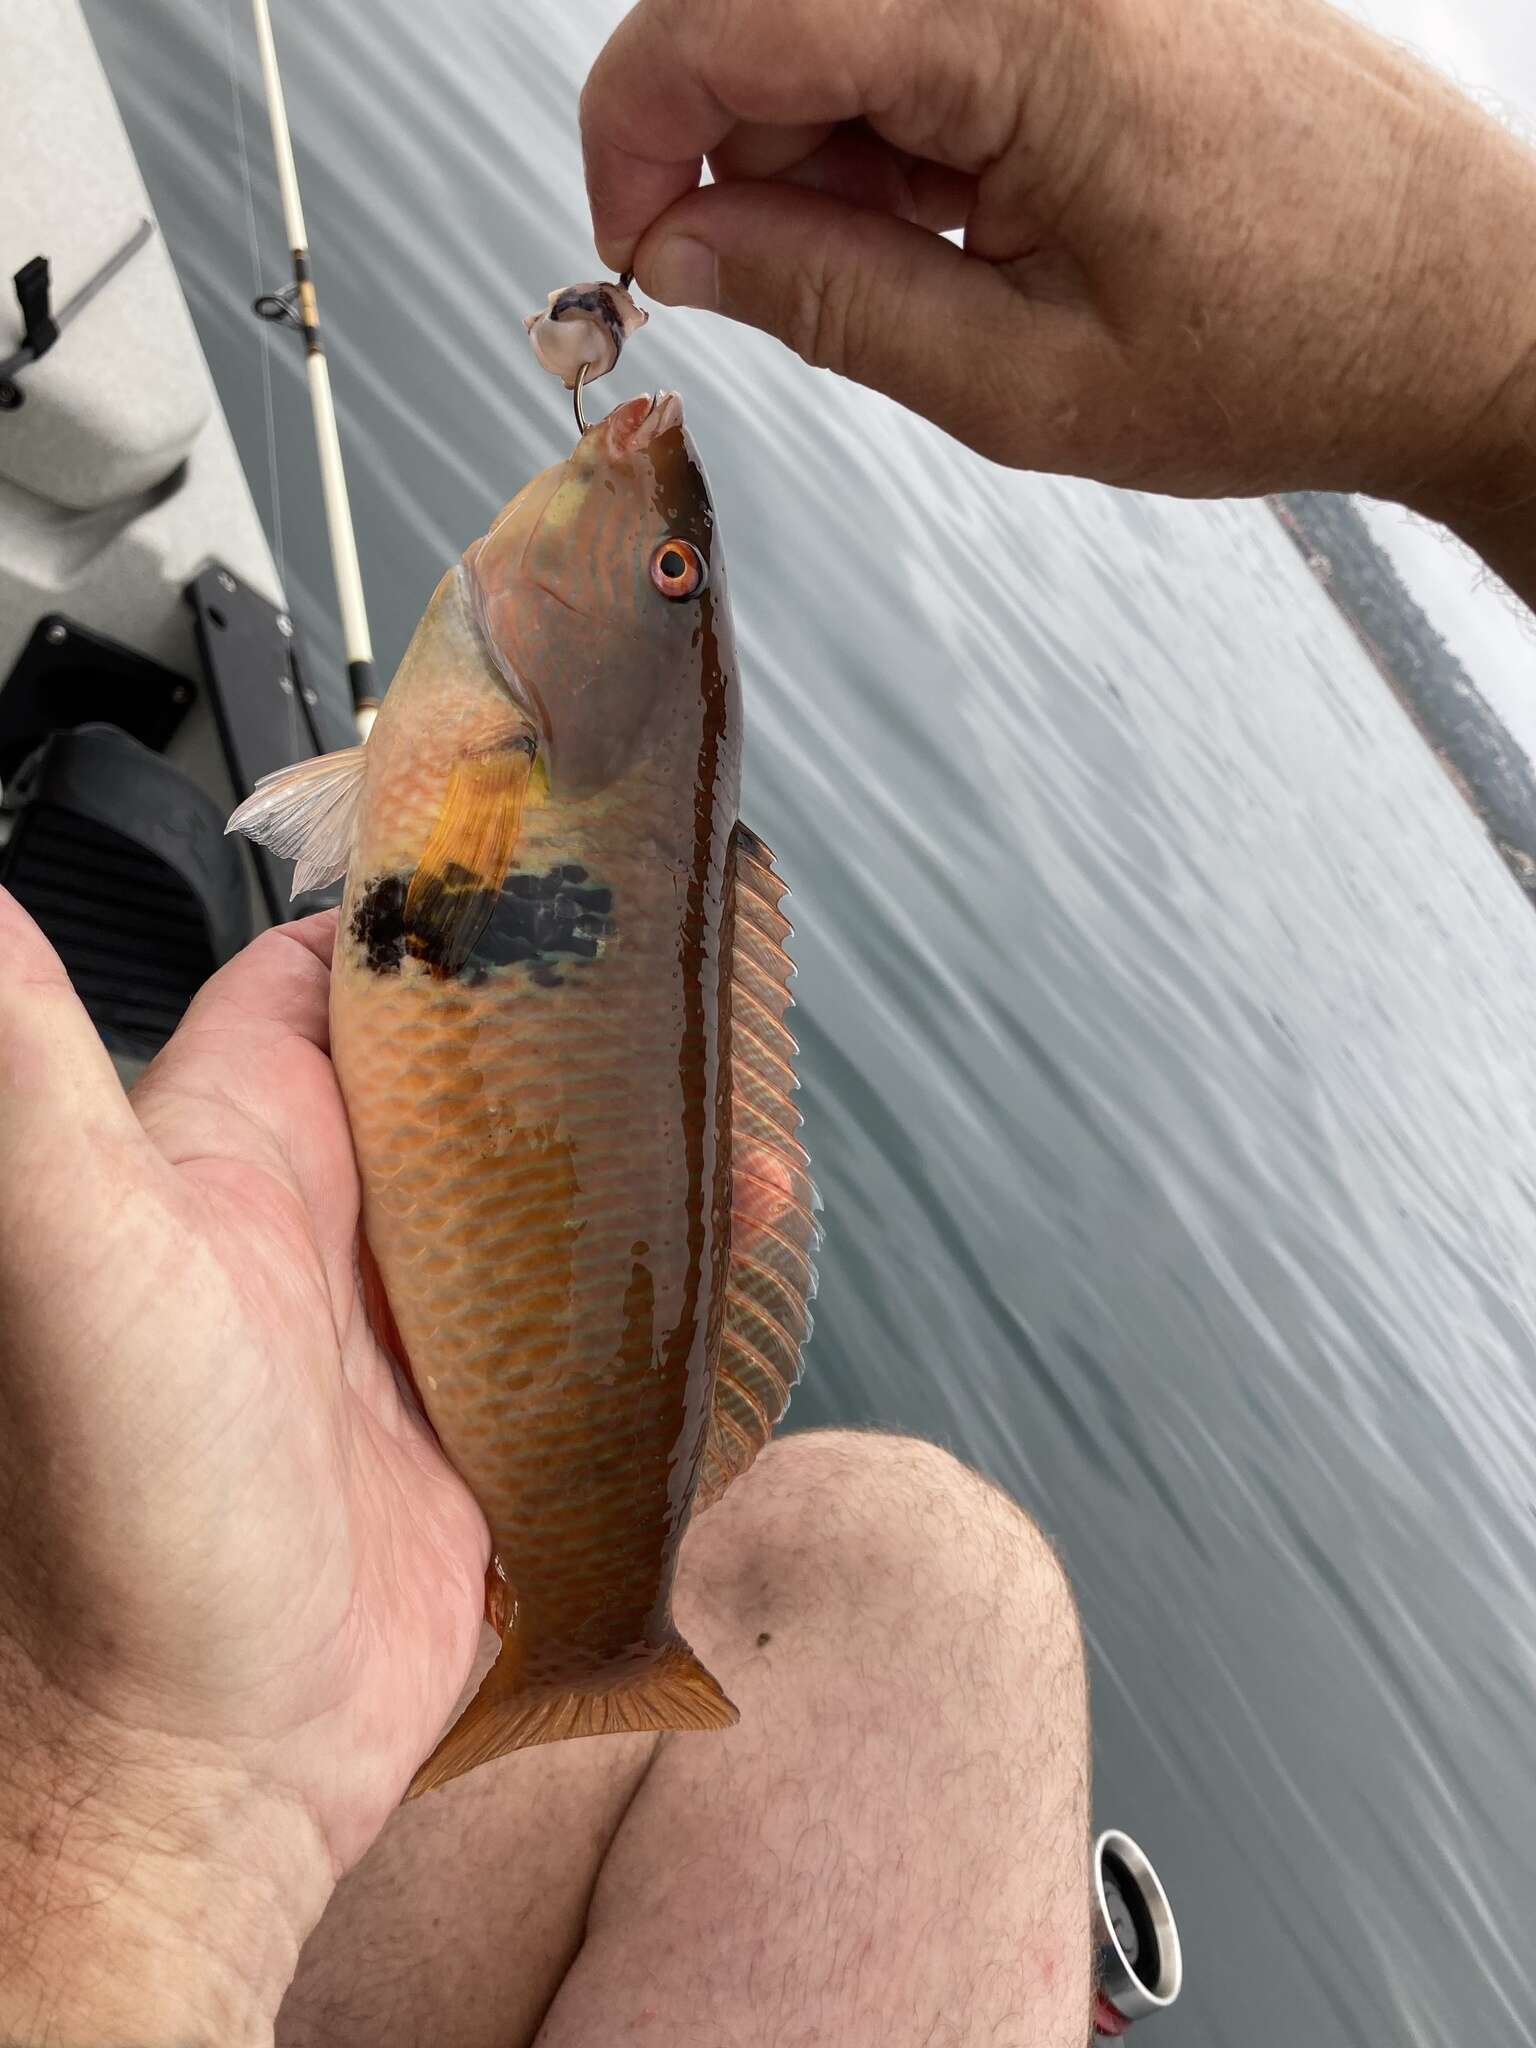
x=546, y=917
x=539, y=921
x=378, y=923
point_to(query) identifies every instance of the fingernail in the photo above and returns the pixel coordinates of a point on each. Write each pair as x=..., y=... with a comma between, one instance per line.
x=683, y=272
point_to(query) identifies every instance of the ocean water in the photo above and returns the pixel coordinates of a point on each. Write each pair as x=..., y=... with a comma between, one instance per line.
x=1167, y=1021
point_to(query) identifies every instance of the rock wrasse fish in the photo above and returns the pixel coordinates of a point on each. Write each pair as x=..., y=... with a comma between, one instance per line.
x=557, y=1010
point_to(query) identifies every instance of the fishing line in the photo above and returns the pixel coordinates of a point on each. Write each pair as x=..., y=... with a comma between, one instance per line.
x=254, y=240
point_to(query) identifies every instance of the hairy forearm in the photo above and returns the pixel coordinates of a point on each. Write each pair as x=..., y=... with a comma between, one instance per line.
x=1484, y=486
x=1507, y=545
x=149, y=1898
x=1492, y=504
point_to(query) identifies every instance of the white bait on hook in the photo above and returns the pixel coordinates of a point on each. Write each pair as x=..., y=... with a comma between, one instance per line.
x=582, y=330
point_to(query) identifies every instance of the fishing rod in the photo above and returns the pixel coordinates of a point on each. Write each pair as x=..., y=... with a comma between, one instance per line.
x=299, y=305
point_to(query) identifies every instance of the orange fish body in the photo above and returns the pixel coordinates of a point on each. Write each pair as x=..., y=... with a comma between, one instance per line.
x=557, y=1018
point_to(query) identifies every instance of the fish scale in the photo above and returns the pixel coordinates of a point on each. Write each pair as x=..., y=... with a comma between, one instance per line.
x=550, y=1143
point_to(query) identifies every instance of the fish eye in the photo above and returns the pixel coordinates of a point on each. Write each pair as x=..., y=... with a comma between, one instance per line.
x=678, y=570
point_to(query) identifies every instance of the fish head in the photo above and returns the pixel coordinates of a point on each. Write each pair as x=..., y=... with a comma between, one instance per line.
x=600, y=594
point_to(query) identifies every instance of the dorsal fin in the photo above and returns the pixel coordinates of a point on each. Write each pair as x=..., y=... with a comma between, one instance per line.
x=770, y=1277
x=307, y=813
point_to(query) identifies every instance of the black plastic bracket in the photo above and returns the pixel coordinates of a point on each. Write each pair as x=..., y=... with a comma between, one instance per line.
x=39, y=328
x=67, y=675
x=267, y=711
x=41, y=324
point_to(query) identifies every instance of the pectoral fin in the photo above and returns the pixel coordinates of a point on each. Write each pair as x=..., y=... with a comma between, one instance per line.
x=460, y=875
x=771, y=1276
x=307, y=813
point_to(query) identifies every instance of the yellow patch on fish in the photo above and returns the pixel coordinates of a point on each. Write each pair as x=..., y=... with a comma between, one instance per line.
x=454, y=891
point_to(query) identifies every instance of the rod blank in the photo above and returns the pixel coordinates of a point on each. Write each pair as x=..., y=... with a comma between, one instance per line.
x=333, y=479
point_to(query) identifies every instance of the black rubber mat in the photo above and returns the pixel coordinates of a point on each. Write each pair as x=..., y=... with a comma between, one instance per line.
x=123, y=862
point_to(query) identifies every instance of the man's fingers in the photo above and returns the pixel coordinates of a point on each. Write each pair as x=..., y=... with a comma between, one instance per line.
x=275, y=990
x=58, y=1089
x=753, y=152
x=678, y=81
x=850, y=163
x=646, y=126
x=246, y=1077
x=941, y=198
x=316, y=935
x=886, y=302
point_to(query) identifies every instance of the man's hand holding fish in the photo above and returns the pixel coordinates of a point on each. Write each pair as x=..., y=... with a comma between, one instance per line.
x=239, y=1586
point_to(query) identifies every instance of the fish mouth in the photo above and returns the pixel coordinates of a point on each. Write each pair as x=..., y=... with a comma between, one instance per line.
x=633, y=426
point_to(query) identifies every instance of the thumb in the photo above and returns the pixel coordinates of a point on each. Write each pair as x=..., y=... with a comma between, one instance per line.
x=889, y=304
x=75, y=1161
x=59, y=1093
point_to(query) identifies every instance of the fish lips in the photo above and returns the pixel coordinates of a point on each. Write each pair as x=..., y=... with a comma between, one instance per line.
x=632, y=427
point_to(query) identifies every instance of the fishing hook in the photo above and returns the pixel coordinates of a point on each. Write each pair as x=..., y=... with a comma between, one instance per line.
x=626, y=279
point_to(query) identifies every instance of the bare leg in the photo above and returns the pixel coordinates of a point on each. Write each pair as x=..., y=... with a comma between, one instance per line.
x=457, y=1928
x=891, y=1848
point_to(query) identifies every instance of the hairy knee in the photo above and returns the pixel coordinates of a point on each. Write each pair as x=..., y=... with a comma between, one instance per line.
x=853, y=1535
x=904, y=1649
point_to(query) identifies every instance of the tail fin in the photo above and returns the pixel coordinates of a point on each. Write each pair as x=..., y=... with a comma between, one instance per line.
x=675, y=1691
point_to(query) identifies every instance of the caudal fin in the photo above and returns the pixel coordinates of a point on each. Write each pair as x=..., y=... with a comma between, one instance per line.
x=674, y=1692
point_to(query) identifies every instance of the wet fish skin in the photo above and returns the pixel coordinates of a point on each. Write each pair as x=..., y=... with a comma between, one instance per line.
x=559, y=1016
x=541, y=1108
